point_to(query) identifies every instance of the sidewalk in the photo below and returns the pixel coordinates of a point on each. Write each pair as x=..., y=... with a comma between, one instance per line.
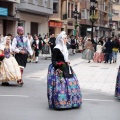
x=99, y=77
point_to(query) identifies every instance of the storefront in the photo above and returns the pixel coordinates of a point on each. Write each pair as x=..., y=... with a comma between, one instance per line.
x=55, y=27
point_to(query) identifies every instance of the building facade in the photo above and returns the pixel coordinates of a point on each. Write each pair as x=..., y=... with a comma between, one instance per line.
x=116, y=18
x=34, y=14
x=63, y=17
x=104, y=14
x=8, y=16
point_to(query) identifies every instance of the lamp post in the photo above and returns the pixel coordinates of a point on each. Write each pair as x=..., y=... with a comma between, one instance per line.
x=110, y=24
x=75, y=13
x=92, y=16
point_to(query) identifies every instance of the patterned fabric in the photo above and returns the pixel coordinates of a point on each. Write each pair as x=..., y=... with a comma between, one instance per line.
x=117, y=89
x=65, y=94
x=98, y=57
x=7, y=53
x=20, y=43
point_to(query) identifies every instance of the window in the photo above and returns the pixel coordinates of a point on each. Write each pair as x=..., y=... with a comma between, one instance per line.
x=116, y=12
x=21, y=23
x=55, y=7
x=82, y=14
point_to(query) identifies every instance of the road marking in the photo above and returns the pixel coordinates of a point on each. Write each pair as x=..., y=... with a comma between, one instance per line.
x=14, y=96
x=98, y=100
x=24, y=96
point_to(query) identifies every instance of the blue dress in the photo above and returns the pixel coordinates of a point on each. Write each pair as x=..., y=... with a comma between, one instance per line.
x=62, y=94
x=117, y=88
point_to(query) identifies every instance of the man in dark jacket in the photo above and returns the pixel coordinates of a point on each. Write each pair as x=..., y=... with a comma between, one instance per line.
x=52, y=42
x=108, y=50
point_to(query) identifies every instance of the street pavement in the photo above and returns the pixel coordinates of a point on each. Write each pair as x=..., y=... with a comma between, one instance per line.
x=97, y=81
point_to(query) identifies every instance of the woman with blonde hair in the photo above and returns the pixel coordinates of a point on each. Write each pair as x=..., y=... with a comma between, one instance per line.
x=9, y=69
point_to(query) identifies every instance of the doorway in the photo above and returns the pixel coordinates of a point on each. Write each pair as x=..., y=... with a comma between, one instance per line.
x=34, y=28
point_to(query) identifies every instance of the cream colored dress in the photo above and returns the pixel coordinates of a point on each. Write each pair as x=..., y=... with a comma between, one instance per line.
x=9, y=69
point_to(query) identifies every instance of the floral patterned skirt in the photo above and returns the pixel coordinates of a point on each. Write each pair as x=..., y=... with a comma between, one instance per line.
x=117, y=88
x=65, y=94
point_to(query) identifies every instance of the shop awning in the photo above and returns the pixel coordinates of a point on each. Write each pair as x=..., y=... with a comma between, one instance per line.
x=9, y=18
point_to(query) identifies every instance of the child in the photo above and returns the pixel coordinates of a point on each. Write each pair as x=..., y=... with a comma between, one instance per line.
x=36, y=47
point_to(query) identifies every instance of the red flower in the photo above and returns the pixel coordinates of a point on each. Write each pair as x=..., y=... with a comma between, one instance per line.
x=1, y=55
x=60, y=63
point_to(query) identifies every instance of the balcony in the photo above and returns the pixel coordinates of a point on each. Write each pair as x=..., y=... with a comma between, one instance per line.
x=37, y=7
x=85, y=22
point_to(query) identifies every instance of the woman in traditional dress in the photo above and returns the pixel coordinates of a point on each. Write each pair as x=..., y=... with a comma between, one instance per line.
x=117, y=87
x=10, y=70
x=80, y=44
x=89, y=50
x=46, y=48
x=98, y=56
x=30, y=38
x=63, y=88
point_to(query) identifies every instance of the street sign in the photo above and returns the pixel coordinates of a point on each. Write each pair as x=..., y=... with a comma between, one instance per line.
x=3, y=11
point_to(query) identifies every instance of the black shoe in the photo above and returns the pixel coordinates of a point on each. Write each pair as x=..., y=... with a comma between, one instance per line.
x=36, y=62
x=5, y=84
x=110, y=62
x=88, y=61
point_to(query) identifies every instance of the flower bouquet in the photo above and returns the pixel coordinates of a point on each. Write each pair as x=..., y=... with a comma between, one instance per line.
x=1, y=55
x=61, y=67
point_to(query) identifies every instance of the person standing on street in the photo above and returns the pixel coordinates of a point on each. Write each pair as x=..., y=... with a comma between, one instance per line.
x=52, y=42
x=115, y=49
x=21, y=46
x=62, y=83
x=73, y=44
x=108, y=51
x=36, y=46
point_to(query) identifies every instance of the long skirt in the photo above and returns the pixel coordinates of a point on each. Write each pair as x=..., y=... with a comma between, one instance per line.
x=65, y=94
x=87, y=54
x=46, y=52
x=98, y=57
x=117, y=88
x=9, y=70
